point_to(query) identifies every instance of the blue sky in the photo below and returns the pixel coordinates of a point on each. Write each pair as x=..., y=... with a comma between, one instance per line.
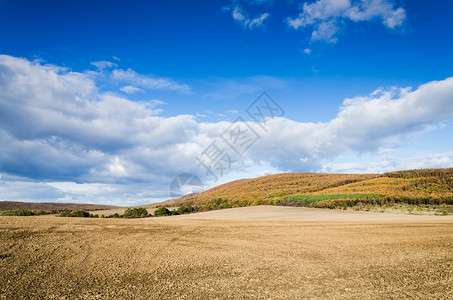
x=107, y=101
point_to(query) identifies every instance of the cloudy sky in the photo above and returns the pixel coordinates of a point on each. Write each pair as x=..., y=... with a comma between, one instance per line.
x=108, y=102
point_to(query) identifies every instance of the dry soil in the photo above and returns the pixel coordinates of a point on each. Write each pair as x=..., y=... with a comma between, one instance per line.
x=244, y=253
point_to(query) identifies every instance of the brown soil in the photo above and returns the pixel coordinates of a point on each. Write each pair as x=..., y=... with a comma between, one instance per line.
x=222, y=257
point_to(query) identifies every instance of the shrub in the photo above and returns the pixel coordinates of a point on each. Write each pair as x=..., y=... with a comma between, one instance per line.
x=197, y=207
x=174, y=212
x=17, y=212
x=185, y=209
x=80, y=214
x=162, y=211
x=23, y=212
x=64, y=213
x=136, y=213
x=77, y=214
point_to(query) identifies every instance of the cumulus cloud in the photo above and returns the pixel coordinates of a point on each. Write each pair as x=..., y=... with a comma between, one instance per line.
x=57, y=127
x=363, y=124
x=368, y=9
x=441, y=160
x=21, y=189
x=327, y=17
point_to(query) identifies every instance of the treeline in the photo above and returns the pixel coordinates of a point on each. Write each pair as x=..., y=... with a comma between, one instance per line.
x=77, y=214
x=183, y=209
x=333, y=201
x=322, y=201
x=133, y=213
x=345, y=201
x=159, y=212
x=129, y=213
x=433, y=181
x=445, y=174
x=24, y=212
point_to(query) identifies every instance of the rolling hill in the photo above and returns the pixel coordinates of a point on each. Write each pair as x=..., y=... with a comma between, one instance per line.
x=412, y=187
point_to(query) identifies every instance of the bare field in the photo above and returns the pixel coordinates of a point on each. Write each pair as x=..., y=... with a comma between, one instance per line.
x=215, y=256
x=287, y=213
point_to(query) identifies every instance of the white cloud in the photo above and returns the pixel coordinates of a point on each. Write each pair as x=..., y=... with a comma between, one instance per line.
x=238, y=15
x=56, y=126
x=71, y=192
x=149, y=81
x=325, y=31
x=441, y=160
x=117, y=168
x=241, y=16
x=245, y=20
x=129, y=89
x=265, y=173
x=156, y=102
x=320, y=10
x=101, y=65
x=326, y=17
x=396, y=18
x=82, y=188
x=368, y=9
x=363, y=124
x=258, y=21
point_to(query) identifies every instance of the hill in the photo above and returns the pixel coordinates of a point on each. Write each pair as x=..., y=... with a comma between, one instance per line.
x=264, y=188
x=53, y=207
x=411, y=187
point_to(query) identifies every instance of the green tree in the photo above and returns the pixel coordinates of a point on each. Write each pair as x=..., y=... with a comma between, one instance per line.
x=79, y=214
x=139, y=212
x=185, y=209
x=64, y=213
x=162, y=211
x=128, y=212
